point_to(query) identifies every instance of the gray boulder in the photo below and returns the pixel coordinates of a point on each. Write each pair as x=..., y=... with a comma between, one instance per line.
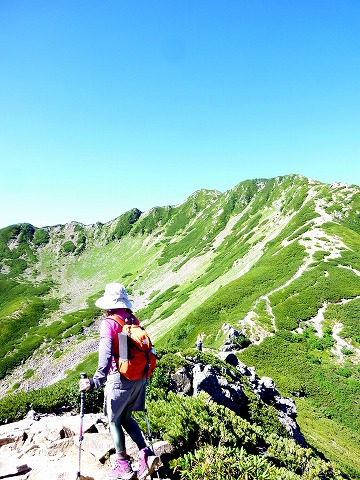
x=182, y=380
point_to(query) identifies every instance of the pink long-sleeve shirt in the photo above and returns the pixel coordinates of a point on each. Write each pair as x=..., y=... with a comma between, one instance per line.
x=109, y=346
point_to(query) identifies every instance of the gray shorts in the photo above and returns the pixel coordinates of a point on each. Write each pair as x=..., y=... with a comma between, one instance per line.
x=121, y=395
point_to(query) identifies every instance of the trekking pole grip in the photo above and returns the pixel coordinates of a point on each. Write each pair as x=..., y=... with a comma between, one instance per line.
x=82, y=395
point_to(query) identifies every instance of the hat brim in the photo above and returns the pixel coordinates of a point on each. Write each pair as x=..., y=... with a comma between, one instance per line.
x=106, y=303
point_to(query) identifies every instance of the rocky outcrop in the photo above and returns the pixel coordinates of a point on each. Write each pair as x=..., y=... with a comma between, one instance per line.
x=225, y=389
x=47, y=448
x=206, y=379
x=266, y=390
x=198, y=377
x=235, y=340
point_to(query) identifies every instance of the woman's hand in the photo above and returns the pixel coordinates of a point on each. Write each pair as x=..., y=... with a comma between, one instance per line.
x=84, y=384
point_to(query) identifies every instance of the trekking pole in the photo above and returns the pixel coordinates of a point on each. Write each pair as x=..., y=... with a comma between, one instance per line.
x=148, y=427
x=150, y=437
x=81, y=436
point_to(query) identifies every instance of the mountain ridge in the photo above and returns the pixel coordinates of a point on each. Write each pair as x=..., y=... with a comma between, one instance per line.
x=277, y=258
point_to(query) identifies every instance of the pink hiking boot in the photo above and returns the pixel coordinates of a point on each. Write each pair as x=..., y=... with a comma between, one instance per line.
x=148, y=462
x=122, y=470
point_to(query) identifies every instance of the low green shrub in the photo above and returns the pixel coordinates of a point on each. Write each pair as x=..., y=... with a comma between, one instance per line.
x=284, y=460
x=41, y=237
x=187, y=422
x=344, y=372
x=14, y=387
x=68, y=247
x=125, y=224
x=210, y=462
x=29, y=373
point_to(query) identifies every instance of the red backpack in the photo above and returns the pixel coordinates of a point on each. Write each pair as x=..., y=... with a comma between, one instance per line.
x=137, y=357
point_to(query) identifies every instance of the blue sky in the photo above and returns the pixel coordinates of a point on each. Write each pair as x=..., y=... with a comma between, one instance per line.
x=113, y=104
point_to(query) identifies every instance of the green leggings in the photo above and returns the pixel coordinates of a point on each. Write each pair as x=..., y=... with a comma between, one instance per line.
x=127, y=423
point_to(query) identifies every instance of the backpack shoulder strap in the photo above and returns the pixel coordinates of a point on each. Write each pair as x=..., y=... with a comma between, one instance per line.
x=117, y=319
x=121, y=320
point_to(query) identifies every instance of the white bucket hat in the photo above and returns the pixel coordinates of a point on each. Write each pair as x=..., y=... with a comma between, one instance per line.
x=115, y=296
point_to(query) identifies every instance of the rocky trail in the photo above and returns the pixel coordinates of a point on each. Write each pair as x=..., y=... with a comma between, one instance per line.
x=47, y=448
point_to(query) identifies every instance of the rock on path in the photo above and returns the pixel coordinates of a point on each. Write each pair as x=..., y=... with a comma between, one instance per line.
x=47, y=448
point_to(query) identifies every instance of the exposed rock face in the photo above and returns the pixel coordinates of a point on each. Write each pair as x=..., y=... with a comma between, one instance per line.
x=235, y=340
x=47, y=448
x=265, y=389
x=204, y=378
x=182, y=380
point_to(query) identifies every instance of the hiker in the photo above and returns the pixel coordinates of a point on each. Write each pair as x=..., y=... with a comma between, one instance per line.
x=121, y=396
